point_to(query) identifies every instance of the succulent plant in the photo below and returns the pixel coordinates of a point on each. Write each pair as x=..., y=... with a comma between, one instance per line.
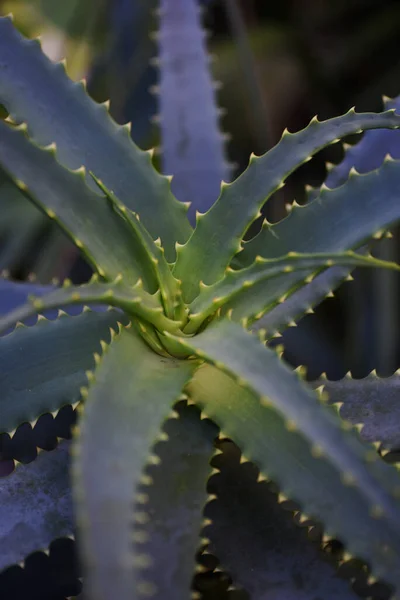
x=184, y=325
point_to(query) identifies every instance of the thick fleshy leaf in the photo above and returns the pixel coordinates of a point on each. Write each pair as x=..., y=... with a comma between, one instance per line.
x=369, y=152
x=237, y=287
x=300, y=442
x=339, y=219
x=295, y=305
x=177, y=496
x=85, y=215
x=57, y=110
x=133, y=300
x=128, y=401
x=169, y=287
x=192, y=144
x=13, y=294
x=218, y=234
x=42, y=367
x=373, y=402
x=258, y=542
x=36, y=505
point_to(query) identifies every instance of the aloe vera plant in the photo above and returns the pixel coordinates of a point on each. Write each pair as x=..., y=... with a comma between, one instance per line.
x=185, y=306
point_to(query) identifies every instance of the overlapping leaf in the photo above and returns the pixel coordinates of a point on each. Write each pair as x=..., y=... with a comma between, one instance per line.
x=218, y=234
x=57, y=110
x=127, y=403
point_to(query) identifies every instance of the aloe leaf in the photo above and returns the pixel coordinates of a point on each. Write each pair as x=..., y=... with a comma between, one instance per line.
x=369, y=152
x=169, y=287
x=36, y=506
x=372, y=402
x=66, y=347
x=57, y=110
x=279, y=424
x=258, y=542
x=218, y=234
x=346, y=216
x=192, y=145
x=238, y=286
x=133, y=300
x=65, y=197
x=110, y=456
x=294, y=305
x=15, y=293
x=175, y=505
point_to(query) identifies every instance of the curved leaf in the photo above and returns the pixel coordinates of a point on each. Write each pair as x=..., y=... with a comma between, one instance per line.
x=294, y=305
x=84, y=214
x=258, y=542
x=57, y=110
x=36, y=505
x=192, y=146
x=133, y=300
x=176, y=499
x=300, y=443
x=237, y=287
x=373, y=402
x=339, y=219
x=128, y=401
x=218, y=234
x=169, y=287
x=42, y=367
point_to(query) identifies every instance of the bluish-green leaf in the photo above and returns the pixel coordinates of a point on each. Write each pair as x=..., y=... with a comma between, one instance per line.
x=258, y=542
x=192, y=145
x=339, y=219
x=128, y=401
x=279, y=424
x=57, y=110
x=134, y=300
x=237, y=288
x=176, y=502
x=42, y=367
x=218, y=234
x=36, y=506
x=84, y=214
x=373, y=402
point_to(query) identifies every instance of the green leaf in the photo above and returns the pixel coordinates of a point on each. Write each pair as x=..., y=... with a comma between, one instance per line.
x=218, y=234
x=128, y=401
x=298, y=302
x=258, y=542
x=237, y=287
x=36, y=506
x=177, y=496
x=134, y=300
x=42, y=367
x=169, y=287
x=57, y=110
x=84, y=214
x=339, y=219
x=279, y=424
x=372, y=402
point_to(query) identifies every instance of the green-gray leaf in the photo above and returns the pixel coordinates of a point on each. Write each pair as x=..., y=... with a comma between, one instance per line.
x=36, y=505
x=42, y=367
x=130, y=398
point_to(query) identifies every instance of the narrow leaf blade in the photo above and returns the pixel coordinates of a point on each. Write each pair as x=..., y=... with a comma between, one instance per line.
x=36, y=506
x=191, y=142
x=65, y=197
x=42, y=367
x=110, y=456
x=218, y=234
x=57, y=110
